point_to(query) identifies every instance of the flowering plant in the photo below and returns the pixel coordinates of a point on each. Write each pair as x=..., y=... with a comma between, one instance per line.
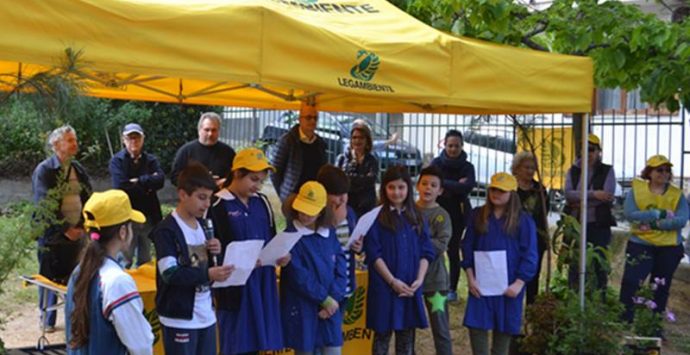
x=648, y=320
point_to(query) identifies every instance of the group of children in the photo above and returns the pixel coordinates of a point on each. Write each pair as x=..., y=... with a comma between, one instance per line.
x=403, y=248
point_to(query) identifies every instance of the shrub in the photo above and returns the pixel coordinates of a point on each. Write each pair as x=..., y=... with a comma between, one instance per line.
x=24, y=127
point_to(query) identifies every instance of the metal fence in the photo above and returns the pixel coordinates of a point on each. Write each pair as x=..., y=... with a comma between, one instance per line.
x=491, y=141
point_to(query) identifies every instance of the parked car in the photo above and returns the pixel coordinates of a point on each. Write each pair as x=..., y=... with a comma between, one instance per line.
x=334, y=128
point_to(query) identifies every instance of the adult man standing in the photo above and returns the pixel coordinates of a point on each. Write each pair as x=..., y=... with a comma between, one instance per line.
x=139, y=174
x=60, y=187
x=601, y=185
x=299, y=154
x=207, y=150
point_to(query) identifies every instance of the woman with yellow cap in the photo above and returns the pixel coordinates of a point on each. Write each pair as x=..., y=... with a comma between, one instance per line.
x=499, y=231
x=314, y=282
x=657, y=211
x=248, y=316
x=103, y=309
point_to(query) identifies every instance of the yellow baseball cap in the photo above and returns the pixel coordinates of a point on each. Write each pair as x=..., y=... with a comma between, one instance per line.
x=108, y=208
x=658, y=160
x=504, y=182
x=251, y=159
x=594, y=139
x=311, y=198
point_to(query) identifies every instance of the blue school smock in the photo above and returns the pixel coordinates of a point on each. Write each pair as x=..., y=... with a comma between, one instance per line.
x=401, y=250
x=501, y=313
x=255, y=324
x=317, y=270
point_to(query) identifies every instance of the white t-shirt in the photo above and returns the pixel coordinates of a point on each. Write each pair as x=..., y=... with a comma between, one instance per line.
x=203, y=315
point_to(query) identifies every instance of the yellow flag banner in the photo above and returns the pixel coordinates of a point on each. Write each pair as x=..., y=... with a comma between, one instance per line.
x=554, y=150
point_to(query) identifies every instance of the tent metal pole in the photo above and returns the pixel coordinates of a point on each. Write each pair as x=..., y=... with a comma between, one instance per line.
x=584, y=177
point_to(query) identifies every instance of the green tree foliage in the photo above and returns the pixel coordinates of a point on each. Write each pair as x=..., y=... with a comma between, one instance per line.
x=25, y=125
x=48, y=99
x=630, y=49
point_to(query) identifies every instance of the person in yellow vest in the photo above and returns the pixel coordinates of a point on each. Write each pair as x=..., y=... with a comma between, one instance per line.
x=657, y=211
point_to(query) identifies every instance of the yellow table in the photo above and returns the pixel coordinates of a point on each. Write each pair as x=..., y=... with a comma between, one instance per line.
x=145, y=278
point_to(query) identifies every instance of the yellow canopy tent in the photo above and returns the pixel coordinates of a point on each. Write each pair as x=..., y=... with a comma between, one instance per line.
x=349, y=55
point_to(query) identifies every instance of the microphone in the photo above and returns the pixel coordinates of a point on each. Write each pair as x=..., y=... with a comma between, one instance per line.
x=209, y=234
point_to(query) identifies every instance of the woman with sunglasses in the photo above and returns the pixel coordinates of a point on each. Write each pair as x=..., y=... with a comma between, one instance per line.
x=601, y=185
x=657, y=211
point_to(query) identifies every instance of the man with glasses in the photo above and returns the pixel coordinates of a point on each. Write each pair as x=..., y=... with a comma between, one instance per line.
x=601, y=185
x=299, y=154
x=140, y=175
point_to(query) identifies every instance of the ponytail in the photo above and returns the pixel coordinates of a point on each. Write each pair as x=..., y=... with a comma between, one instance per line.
x=91, y=261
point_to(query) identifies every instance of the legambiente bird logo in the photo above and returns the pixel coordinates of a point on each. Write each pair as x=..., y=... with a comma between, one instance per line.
x=367, y=65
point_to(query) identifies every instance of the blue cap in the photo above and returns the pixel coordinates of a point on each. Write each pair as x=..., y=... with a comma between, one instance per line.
x=132, y=128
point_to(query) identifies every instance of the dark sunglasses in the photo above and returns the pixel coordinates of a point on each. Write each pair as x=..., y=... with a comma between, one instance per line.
x=663, y=169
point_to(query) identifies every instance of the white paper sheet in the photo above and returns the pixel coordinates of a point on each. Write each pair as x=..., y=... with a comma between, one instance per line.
x=243, y=255
x=278, y=247
x=491, y=272
x=363, y=225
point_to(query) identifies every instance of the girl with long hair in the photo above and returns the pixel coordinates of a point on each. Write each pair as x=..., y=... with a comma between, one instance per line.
x=103, y=309
x=500, y=232
x=399, y=250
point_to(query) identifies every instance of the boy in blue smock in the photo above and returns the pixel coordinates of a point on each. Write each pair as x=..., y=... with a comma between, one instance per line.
x=313, y=283
x=183, y=277
x=398, y=252
x=500, y=232
x=249, y=315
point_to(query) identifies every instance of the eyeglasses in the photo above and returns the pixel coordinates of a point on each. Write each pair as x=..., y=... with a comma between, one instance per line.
x=662, y=170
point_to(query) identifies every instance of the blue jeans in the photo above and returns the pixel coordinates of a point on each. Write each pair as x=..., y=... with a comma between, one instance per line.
x=46, y=298
x=641, y=261
x=189, y=341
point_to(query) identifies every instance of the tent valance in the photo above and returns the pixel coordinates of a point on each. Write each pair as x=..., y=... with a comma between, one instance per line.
x=349, y=55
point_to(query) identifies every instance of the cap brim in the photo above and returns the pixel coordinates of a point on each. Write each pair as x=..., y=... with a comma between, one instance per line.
x=257, y=167
x=137, y=216
x=126, y=133
x=306, y=208
x=502, y=188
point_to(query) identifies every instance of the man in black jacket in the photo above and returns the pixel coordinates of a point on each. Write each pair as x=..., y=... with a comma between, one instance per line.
x=215, y=155
x=138, y=174
x=60, y=187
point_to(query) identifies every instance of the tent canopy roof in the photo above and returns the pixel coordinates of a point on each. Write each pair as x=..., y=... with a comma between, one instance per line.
x=348, y=55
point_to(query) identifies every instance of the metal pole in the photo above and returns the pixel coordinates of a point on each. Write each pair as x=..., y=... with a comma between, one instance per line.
x=583, y=207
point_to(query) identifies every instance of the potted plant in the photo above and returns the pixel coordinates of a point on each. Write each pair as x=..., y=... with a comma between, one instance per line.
x=647, y=324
